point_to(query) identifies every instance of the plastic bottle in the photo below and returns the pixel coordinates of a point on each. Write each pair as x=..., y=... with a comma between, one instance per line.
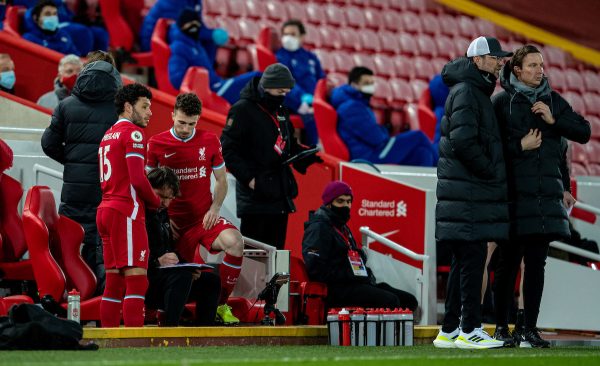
x=373, y=324
x=334, y=327
x=344, y=318
x=358, y=327
x=408, y=320
x=392, y=327
x=74, y=306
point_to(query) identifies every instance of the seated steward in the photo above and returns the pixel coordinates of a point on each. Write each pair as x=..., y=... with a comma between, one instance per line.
x=46, y=32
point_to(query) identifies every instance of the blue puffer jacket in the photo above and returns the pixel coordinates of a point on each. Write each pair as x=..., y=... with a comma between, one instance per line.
x=306, y=69
x=187, y=52
x=64, y=14
x=59, y=41
x=357, y=125
x=170, y=9
x=439, y=93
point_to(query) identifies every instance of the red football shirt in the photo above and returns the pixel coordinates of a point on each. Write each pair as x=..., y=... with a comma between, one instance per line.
x=124, y=140
x=193, y=159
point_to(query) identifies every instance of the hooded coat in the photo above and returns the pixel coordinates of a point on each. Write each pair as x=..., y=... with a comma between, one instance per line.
x=471, y=189
x=248, y=141
x=73, y=137
x=537, y=178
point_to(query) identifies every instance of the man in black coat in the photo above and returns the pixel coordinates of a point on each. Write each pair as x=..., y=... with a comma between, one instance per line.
x=472, y=204
x=332, y=256
x=535, y=121
x=257, y=140
x=73, y=137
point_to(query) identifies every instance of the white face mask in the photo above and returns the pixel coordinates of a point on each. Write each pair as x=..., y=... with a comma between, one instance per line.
x=368, y=89
x=290, y=43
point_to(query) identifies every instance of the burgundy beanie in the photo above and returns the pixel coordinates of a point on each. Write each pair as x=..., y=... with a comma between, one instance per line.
x=335, y=189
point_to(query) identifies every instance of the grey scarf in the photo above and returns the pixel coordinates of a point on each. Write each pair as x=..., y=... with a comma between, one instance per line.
x=532, y=94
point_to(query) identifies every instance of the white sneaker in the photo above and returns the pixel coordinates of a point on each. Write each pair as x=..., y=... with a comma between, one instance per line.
x=446, y=340
x=477, y=339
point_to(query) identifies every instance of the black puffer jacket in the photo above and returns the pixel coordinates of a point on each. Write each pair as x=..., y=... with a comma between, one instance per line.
x=471, y=189
x=77, y=126
x=247, y=141
x=325, y=251
x=536, y=178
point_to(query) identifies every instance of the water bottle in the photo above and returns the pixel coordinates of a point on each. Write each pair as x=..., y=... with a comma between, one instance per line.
x=372, y=320
x=74, y=306
x=392, y=328
x=334, y=328
x=344, y=318
x=358, y=327
x=408, y=320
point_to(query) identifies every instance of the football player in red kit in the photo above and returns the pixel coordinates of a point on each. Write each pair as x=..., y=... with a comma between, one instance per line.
x=120, y=218
x=193, y=155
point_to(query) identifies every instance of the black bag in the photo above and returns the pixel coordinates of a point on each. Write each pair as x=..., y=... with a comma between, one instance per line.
x=29, y=327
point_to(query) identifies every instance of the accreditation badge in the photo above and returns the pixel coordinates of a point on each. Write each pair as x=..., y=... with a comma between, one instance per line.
x=357, y=264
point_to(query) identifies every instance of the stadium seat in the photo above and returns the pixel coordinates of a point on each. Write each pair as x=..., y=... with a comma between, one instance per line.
x=7, y=302
x=315, y=13
x=249, y=30
x=576, y=101
x=578, y=169
x=417, y=6
x=361, y=59
x=337, y=79
x=312, y=39
x=556, y=78
x=445, y=46
x=326, y=121
x=373, y=19
x=120, y=34
x=484, y=27
x=402, y=91
x=312, y=295
x=355, y=17
x=449, y=25
x=350, y=39
x=297, y=10
x=383, y=96
x=369, y=40
x=438, y=64
x=275, y=10
x=554, y=57
x=389, y=43
x=592, y=103
x=411, y=22
x=11, y=232
x=161, y=53
x=343, y=61
x=398, y=5
x=392, y=21
x=384, y=66
x=327, y=62
x=404, y=67
x=593, y=148
x=467, y=27
x=421, y=118
x=431, y=24
x=13, y=20
x=418, y=86
x=335, y=15
x=461, y=44
x=574, y=81
x=408, y=45
x=236, y=8
x=53, y=241
x=196, y=80
x=426, y=45
x=592, y=81
x=595, y=124
x=213, y=8
x=330, y=38
x=257, y=10
x=423, y=68
x=579, y=153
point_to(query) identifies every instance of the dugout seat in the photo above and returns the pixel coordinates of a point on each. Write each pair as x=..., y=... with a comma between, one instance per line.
x=326, y=121
x=54, y=244
x=312, y=295
x=161, y=53
x=196, y=80
x=13, y=20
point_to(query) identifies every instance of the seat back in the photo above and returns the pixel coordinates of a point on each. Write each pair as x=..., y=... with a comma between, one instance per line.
x=196, y=80
x=312, y=295
x=326, y=121
x=13, y=20
x=11, y=227
x=119, y=31
x=160, y=54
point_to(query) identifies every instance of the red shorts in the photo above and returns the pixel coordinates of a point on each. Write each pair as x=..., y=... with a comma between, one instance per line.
x=124, y=241
x=195, y=234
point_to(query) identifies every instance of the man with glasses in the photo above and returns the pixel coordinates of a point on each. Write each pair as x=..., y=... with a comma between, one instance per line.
x=472, y=206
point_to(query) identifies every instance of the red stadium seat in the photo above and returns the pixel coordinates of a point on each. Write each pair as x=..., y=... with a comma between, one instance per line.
x=398, y=5
x=13, y=20
x=417, y=6
x=392, y=21
x=592, y=103
x=592, y=81
x=438, y=64
x=237, y=8
x=7, y=302
x=576, y=101
x=296, y=10
x=578, y=169
x=343, y=61
x=361, y=59
x=383, y=93
x=594, y=170
x=404, y=67
x=337, y=79
x=461, y=44
x=423, y=68
x=312, y=295
x=389, y=42
x=355, y=17
x=556, y=78
x=449, y=25
x=384, y=65
x=312, y=39
x=334, y=15
x=595, y=124
x=426, y=45
x=574, y=81
x=402, y=91
x=431, y=24
x=257, y=9
x=249, y=30
x=467, y=27
x=373, y=19
x=214, y=8
x=554, y=57
x=369, y=40
x=421, y=119
x=485, y=27
x=196, y=81
x=53, y=241
x=275, y=10
x=408, y=45
x=161, y=53
x=315, y=13
x=12, y=236
x=350, y=39
x=579, y=153
x=411, y=22
x=418, y=86
x=593, y=148
x=326, y=121
x=327, y=62
x=445, y=47
x=330, y=38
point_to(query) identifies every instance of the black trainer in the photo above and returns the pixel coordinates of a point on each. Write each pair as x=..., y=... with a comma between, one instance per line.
x=531, y=338
x=517, y=334
x=502, y=334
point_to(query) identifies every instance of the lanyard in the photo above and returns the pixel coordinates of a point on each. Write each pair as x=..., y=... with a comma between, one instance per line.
x=275, y=120
x=345, y=236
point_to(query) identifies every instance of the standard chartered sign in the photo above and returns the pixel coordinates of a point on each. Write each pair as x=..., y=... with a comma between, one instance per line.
x=382, y=208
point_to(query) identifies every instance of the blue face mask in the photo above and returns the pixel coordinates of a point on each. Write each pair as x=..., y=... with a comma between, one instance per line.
x=50, y=23
x=7, y=79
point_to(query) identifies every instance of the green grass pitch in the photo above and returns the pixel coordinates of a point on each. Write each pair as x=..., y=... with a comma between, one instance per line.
x=424, y=355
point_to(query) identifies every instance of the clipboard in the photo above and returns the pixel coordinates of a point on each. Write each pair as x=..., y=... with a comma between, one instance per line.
x=301, y=155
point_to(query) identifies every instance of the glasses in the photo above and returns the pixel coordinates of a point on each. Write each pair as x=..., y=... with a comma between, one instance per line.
x=496, y=58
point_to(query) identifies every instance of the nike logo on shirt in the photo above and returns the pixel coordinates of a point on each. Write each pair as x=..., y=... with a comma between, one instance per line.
x=169, y=155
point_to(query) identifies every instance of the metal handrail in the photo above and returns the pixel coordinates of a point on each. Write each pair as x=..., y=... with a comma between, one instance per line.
x=586, y=207
x=575, y=250
x=392, y=245
x=21, y=130
x=38, y=168
x=259, y=244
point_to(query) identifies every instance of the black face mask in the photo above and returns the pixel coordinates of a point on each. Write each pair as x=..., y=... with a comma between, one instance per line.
x=192, y=32
x=367, y=96
x=273, y=102
x=342, y=214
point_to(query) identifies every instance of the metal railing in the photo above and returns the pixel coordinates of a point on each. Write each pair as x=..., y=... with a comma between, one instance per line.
x=390, y=244
x=22, y=130
x=586, y=207
x=574, y=250
x=38, y=168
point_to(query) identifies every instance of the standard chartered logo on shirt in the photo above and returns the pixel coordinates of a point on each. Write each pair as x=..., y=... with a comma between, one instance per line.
x=189, y=173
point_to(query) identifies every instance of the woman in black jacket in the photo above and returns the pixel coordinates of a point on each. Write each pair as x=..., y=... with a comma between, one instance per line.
x=73, y=137
x=535, y=121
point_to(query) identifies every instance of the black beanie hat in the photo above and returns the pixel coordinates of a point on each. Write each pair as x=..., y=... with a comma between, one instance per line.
x=277, y=76
x=187, y=15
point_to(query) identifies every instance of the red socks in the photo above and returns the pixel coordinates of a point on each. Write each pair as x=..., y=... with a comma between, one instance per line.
x=229, y=271
x=111, y=304
x=133, y=304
